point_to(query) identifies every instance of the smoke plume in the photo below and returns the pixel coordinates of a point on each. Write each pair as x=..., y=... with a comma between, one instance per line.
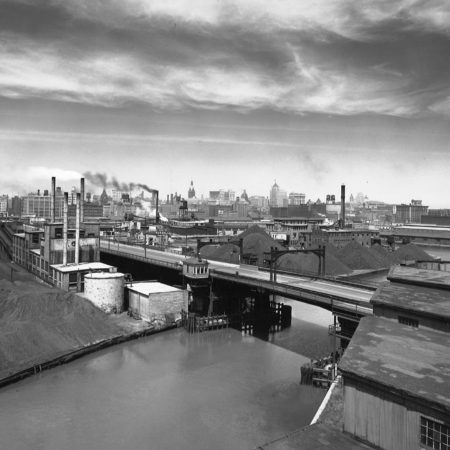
x=101, y=180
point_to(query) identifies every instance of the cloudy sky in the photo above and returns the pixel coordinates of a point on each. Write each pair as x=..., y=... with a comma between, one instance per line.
x=228, y=93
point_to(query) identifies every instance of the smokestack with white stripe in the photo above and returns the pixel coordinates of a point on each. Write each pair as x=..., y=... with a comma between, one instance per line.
x=65, y=226
x=82, y=200
x=343, y=206
x=77, y=228
x=53, y=200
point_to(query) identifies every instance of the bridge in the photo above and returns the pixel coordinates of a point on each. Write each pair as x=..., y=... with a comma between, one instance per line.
x=343, y=299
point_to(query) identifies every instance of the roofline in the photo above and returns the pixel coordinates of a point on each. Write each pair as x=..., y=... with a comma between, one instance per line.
x=399, y=308
x=402, y=395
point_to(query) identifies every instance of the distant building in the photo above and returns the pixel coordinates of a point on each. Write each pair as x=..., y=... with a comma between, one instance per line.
x=15, y=206
x=222, y=197
x=278, y=197
x=421, y=234
x=37, y=205
x=191, y=191
x=411, y=213
x=296, y=199
x=3, y=205
x=340, y=238
x=244, y=196
x=258, y=201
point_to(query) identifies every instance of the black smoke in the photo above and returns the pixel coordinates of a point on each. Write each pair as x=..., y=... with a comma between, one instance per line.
x=103, y=181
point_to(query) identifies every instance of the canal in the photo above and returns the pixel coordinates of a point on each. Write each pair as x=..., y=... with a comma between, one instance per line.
x=214, y=390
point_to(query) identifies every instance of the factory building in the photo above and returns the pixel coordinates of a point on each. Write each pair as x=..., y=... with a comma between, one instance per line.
x=61, y=253
x=411, y=213
x=396, y=369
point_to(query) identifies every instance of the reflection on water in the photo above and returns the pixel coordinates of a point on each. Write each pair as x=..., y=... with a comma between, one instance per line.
x=216, y=390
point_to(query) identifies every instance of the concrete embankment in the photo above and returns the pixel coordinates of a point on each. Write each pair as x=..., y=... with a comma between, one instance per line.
x=41, y=327
x=70, y=356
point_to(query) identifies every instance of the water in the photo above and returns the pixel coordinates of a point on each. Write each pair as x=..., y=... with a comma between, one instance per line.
x=215, y=390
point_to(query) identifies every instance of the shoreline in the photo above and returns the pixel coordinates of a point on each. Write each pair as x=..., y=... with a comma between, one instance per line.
x=79, y=353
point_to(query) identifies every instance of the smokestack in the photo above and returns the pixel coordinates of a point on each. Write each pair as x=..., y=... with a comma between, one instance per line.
x=53, y=200
x=167, y=198
x=171, y=199
x=77, y=227
x=343, y=206
x=157, y=206
x=82, y=200
x=65, y=225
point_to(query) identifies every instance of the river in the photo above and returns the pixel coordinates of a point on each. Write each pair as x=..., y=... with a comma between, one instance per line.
x=215, y=390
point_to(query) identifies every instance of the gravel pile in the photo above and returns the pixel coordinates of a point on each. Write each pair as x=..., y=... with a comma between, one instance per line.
x=38, y=323
x=410, y=252
x=226, y=253
x=256, y=242
x=308, y=264
x=357, y=257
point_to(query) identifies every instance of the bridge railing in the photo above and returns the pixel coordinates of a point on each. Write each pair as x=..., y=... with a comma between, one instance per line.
x=333, y=301
x=143, y=258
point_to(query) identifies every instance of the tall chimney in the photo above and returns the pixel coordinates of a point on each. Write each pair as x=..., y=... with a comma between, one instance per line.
x=77, y=228
x=343, y=206
x=82, y=200
x=65, y=226
x=53, y=200
x=157, y=208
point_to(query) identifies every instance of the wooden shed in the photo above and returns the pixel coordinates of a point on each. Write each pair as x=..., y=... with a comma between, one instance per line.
x=397, y=386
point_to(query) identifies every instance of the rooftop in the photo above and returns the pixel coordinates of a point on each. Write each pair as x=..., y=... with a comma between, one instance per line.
x=422, y=277
x=435, y=302
x=414, y=362
x=151, y=287
x=97, y=275
x=72, y=267
x=317, y=436
x=197, y=262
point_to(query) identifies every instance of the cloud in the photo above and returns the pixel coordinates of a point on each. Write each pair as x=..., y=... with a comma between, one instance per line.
x=334, y=57
x=41, y=172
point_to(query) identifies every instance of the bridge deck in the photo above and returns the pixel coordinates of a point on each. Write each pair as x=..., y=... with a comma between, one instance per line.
x=323, y=292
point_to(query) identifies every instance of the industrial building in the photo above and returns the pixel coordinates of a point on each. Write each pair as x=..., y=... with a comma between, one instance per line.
x=61, y=252
x=420, y=234
x=396, y=386
x=396, y=370
x=411, y=213
x=154, y=301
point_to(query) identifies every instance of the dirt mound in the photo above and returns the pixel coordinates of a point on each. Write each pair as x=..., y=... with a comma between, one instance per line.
x=256, y=242
x=357, y=257
x=226, y=253
x=410, y=252
x=308, y=264
x=38, y=323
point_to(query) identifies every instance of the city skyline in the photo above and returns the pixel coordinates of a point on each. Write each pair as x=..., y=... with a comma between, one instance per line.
x=230, y=95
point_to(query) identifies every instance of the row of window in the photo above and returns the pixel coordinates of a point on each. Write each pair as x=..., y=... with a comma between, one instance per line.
x=434, y=435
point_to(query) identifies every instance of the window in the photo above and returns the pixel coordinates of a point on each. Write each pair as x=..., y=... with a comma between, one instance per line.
x=434, y=434
x=35, y=238
x=407, y=321
x=58, y=233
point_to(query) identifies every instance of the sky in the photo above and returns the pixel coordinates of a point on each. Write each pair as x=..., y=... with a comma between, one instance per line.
x=231, y=94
